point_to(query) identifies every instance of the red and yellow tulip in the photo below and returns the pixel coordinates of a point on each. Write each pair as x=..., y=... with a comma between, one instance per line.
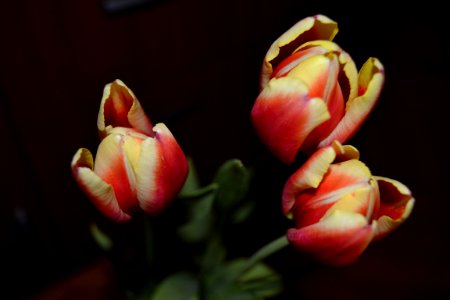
x=339, y=207
x=311, y=92
x=137, y=166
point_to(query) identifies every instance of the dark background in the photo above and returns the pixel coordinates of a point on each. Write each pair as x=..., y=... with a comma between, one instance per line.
x=194, y=65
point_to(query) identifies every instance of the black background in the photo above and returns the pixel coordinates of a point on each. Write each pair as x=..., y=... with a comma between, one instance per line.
x=194, y=65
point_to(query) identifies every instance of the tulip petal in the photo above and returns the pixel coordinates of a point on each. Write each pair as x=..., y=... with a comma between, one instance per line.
x=317, y=27
x=361, y=200
x=339, y=239
x=112, y=165
x=121, y=108
x=99, y=192
x=371, y=80
x=292, y=61
x=311, y=174
x=322, y=46
x=284, y=114
x=348, y=81
x=345, y=186
x=308, y=176
x=395, y=206
x=161, y=171
x=319, y=73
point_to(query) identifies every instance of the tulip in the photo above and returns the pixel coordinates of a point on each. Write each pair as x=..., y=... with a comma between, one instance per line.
x=138, y=166
x=311, y=92
x=339, y=208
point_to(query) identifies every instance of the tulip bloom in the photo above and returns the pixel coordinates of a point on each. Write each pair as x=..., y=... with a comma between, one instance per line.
x=339, y=207
x=311, y=92
x=138, y=166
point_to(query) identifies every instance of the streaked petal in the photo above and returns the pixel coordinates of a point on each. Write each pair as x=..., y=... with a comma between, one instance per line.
x=311, y=173
x=347, y=182
x=99, y=192
x=317, y=27
x=371, y=80
x=319, y=73
x=284, y=115
x=361, y=200
x=121, y=108
x=161, y=171
x=329, y=90
x=339, y=239
x=113, y=166
x=396, y=205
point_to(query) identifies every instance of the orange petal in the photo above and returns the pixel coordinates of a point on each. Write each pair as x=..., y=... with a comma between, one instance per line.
x=371, y=80
x=317, y=27
x=99, y=192
x=339, y=239
x=121, y=108
x=284, y=114
x=161, y=171
x=396, y=205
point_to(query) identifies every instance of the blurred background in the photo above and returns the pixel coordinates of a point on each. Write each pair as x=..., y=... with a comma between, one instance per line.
x=194, y=65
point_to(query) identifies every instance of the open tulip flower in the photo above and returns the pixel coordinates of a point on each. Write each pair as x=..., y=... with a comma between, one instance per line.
x=138, y=166
x=339, y=207
x=311, y=92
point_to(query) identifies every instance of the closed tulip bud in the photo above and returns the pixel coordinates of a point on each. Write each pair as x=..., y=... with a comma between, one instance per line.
x=137, y=167
x=311, y=92
x=339, y=207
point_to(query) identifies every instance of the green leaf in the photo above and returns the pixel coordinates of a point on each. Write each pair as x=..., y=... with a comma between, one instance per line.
x=179, y=286
x=192, y=183
x=191, y=187
x=101, y=238
x=260, y=270
x=200, y=219
x=200, y=192
x=242, y=212
x=214, y=254
x=259, y=281
x=262, y=280
x=221, y=283
x=231, y=292
x=233, y=179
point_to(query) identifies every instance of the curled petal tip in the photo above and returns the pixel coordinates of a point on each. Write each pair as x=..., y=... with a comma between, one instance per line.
x=370, y=84
x=396, y=205
x=120, y=108
x=318, y=27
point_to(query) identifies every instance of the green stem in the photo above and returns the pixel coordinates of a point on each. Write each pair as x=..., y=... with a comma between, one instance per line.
x=264, y=252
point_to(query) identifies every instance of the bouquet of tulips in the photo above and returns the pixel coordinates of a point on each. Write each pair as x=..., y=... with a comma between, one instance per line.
x=312, y=100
